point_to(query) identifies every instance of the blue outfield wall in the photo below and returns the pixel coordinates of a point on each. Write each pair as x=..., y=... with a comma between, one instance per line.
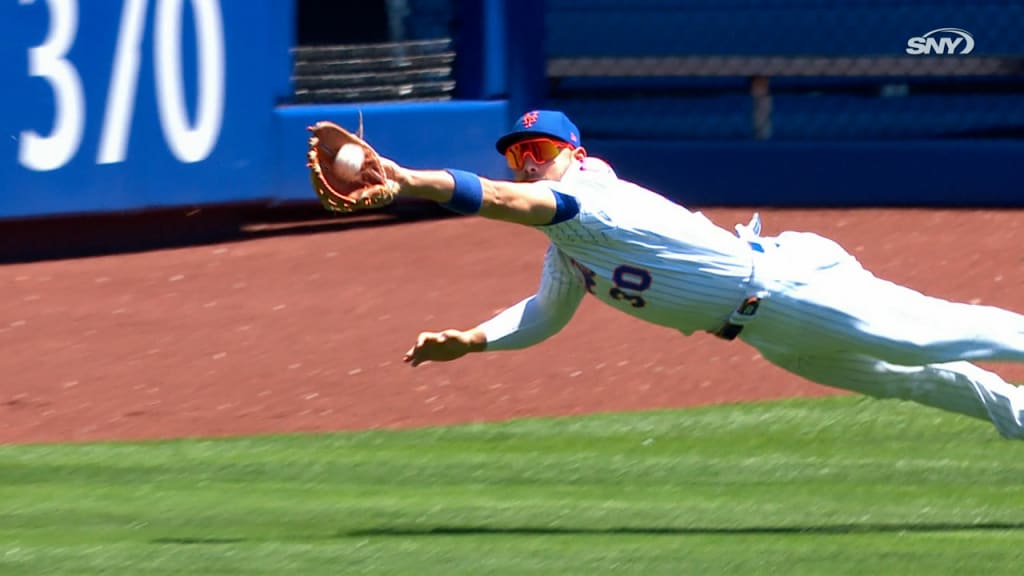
x=836, y=141
x=126, y=105
x=623, y=28
x=823, y=174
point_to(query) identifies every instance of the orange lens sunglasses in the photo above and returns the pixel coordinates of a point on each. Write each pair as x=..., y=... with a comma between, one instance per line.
x=541, y=150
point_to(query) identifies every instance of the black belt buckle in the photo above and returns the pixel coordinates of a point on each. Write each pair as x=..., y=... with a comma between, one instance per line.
x=746, y=308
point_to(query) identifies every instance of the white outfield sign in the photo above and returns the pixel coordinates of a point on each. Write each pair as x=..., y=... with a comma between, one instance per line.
x=942, y=41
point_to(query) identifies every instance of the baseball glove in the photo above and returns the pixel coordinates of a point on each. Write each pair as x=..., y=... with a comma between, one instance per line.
x=341, y=187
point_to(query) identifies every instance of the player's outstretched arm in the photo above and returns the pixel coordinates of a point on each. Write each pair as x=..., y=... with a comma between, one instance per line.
x=518, y=202
x=528, y=322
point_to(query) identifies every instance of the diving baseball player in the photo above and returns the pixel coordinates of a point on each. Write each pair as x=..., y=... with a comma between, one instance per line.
x=800, y=299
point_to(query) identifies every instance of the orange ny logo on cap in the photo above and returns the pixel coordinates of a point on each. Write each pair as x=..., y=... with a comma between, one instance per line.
x=529, y=119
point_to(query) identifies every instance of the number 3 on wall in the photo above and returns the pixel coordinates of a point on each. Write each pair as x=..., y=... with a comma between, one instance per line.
x=38, y=152
x=188, y=143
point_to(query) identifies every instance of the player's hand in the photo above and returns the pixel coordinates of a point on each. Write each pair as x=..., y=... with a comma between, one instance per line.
x=393, y=170
x=444, y=346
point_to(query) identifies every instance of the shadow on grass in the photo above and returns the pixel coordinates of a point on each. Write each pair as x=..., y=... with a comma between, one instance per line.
x=826, y=530
x=834, y=529
x=197, y=541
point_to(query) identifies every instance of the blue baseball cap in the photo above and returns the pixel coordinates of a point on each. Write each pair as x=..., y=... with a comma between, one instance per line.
x=540, y=123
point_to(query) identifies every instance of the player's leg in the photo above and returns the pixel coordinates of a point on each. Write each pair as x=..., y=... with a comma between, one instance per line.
x=852, y=310
x=906, y=327
x=959, y=387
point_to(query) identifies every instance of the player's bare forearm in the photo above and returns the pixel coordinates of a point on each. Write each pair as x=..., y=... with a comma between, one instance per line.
x=516, y=202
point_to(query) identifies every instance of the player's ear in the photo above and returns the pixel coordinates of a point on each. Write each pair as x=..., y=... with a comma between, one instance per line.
x=579, y=153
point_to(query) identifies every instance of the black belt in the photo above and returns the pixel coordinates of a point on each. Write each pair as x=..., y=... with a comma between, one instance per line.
x=730, y=330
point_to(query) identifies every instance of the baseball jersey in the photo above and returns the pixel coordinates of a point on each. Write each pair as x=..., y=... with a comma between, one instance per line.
x=828, y=319
x=636, y=251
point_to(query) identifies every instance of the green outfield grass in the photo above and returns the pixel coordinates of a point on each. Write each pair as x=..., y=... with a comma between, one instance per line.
x=830, y=486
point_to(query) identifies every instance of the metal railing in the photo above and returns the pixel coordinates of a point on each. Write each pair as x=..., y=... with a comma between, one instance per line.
x=393, y=71
x=759, y=71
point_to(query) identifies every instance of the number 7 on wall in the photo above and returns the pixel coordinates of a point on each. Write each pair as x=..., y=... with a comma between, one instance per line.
x=124, y=81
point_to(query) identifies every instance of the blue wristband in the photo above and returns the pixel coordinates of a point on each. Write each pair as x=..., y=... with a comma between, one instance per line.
x=566, y=207
x=468, y=196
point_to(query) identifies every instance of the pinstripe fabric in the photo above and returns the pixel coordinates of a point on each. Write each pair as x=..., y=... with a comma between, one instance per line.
x=542, y=315
x=959, y=387
x=831, y=321
x=822, y=316
x=698, y=271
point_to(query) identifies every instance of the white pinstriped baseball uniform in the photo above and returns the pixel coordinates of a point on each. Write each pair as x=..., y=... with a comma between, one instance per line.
x=822, y=315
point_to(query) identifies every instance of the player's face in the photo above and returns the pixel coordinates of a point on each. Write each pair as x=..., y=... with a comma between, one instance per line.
x=541, y=159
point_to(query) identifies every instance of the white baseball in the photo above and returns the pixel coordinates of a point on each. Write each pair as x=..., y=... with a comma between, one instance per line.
x=349, y=160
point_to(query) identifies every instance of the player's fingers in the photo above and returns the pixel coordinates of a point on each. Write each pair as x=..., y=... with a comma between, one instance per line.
x=421, y=340
x=415, y=354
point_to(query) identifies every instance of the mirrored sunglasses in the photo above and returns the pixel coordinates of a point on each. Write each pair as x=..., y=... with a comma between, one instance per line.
x=540, y=150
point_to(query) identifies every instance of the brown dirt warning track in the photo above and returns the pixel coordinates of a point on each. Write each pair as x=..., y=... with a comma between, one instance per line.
x=301, y=326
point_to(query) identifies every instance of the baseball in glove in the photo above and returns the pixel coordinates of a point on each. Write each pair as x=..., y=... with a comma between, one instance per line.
x=346, y=172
